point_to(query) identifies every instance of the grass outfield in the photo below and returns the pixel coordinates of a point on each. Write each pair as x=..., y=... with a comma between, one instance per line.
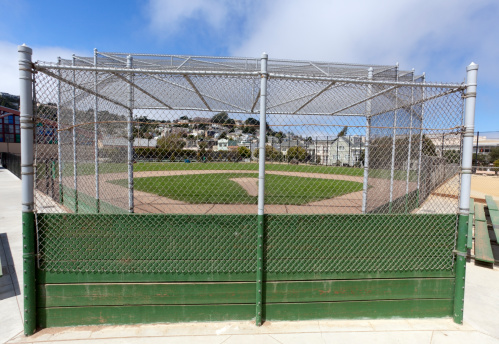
x=219, y=189
x=89, y=169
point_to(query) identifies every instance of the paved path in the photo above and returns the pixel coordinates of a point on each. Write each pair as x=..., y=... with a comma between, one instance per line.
x=480, y=316
x=11, y=301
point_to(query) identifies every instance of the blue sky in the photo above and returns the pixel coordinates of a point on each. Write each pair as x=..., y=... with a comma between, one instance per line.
x=439, y=37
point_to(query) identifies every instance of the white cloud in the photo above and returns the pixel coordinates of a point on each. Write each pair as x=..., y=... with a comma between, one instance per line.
x=168, y=16
x=9, y=67
x=440, y=37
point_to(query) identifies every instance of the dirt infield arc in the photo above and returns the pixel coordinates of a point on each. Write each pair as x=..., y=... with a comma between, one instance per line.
x=145, y=202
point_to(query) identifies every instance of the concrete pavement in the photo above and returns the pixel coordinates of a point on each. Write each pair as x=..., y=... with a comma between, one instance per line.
x=480, y=316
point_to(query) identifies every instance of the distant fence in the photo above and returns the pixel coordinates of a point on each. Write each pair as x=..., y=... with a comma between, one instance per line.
x=12, y=162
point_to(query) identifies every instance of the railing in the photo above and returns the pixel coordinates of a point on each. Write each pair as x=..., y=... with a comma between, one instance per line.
x=12, y=162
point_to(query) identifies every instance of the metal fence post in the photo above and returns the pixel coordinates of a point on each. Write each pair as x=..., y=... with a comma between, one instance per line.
x=409, y=148
x=392, y=167
x=464, y=197
x=75, y=164
x=421, y=142
x=366, y=146
x=96, y=137
x=129, y=64
x=261, y=189
x=59, y=144
x=27, y=177
x=476, y=149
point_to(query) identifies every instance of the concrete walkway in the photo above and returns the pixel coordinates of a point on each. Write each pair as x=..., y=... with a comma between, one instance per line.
x=481, y=310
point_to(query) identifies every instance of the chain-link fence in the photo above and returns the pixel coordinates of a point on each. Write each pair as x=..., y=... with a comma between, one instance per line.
x=187, y=142
x=333, y=156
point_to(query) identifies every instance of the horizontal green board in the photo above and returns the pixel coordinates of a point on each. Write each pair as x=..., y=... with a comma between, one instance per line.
x=491, y=203
x=483, y=250
x=360, y=309
x=45, y=277
x=106, y=294
x=121, y=315
x=479, y=213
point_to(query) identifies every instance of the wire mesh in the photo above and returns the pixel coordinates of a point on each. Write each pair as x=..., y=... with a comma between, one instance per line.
x=165, y=138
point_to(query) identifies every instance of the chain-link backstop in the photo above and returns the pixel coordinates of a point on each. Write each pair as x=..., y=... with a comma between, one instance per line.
x=180, y=188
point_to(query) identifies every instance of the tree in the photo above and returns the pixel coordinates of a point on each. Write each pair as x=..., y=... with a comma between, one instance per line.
x=482, y=159
x=452, y=156
x=202, y=150
x=297, y=153
x=251, y=125
x=271, y=154
x=280, y=136
x=223, y=135
x=429, y=147
x=496, y=164
x=184, y=118
x=343, y=131
x=170, y=143
x=494, y=154
x=220, y=118
x=244, y=152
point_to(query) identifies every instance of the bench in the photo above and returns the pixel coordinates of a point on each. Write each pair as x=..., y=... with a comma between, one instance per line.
x=483, y=250
x=483, y=242
x=494, y=215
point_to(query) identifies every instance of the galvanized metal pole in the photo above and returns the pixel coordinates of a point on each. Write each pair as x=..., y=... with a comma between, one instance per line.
x=75, y=164
x=476, y=150
x=392, y=167
x=59, y=144
x=366, y=146
x=409, y=149
x=129, y=64
x=421, y=143
x=96, y=136
x=27, y=178
x=464, y=197
x=261, y=189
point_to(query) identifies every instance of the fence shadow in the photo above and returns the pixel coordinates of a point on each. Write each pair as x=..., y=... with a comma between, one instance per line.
x=9, y=284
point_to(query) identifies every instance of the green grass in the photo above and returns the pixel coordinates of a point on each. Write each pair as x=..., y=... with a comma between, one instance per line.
x=89, y=168
x=218, y=188
x=104, y=168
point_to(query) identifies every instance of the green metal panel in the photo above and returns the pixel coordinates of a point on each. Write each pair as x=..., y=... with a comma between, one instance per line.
x=107, y=294
x=124, y=315
x=460, y=268
x=29, y=272
x=259, y=270
x=483, y=250
x=177, y=244
x=297, y=246
x=87, y=204
x=97, y=277
x=469, y=242
x=358, y=243
x=360, y=309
